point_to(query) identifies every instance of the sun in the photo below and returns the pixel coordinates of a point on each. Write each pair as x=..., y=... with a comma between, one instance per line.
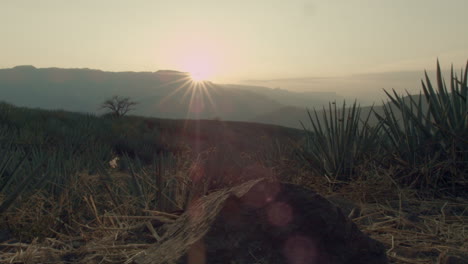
x=200, y=76
x=200, y=66
x=201, y=70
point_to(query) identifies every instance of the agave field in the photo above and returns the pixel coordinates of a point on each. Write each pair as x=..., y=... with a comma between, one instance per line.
x=62, y=200
x=425, y=142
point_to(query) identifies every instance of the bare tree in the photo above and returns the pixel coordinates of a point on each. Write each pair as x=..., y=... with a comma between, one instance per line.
x=118, y=106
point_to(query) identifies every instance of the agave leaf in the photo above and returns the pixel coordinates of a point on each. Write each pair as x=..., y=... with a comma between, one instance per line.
x=340, y=144
x=135, y=186
x=4, y=165
x=15, y=172
x=11, y=198
x=440, y=82
x=431, y=137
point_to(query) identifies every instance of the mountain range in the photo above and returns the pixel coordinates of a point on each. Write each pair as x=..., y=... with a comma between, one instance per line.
x=162, y=94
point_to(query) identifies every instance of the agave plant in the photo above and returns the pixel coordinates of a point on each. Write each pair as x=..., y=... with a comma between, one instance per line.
x=154, y=185
x=14, y=178
x=430, y=133
x=340, y=141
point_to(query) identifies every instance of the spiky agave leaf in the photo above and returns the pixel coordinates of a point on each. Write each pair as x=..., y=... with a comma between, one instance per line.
x=426, y=138
x=340, y=141
x=17, y=190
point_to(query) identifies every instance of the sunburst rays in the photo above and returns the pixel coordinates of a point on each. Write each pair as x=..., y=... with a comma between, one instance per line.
x=197, y=93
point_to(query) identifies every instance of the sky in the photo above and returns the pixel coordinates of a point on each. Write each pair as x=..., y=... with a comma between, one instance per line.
x=229, y=41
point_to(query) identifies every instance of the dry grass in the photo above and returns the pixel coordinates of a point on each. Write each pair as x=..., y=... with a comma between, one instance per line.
x=414, y=230
x=410, y=238
x=86, y=225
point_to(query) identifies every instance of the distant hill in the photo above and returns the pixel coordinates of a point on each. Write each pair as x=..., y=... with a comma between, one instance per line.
x=289, y=116
x=367, y=88
x=287, y=97
x=165, y=94
x=172, y=134
x=293, y=116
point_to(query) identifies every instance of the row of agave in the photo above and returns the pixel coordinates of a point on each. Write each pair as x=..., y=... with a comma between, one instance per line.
x=39, y=151
x=424, y=136
x=46, y=151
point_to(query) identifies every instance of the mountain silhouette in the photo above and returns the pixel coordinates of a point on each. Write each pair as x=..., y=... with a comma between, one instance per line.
x=164, y=94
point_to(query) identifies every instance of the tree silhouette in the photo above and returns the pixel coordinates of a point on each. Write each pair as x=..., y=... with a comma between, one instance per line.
x=118, y=106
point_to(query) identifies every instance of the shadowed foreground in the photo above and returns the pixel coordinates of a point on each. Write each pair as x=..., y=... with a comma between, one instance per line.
x=264, y=221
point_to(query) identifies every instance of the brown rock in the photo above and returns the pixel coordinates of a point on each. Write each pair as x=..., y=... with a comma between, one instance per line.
x=264, y=221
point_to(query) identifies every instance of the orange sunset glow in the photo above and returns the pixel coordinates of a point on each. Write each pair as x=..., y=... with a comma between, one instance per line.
x=213, y=131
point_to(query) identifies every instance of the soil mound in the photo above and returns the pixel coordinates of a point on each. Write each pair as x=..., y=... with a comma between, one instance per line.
x=263, y=221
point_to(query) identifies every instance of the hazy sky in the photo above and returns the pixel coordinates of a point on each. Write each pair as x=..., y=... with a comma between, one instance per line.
x=236, y=39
